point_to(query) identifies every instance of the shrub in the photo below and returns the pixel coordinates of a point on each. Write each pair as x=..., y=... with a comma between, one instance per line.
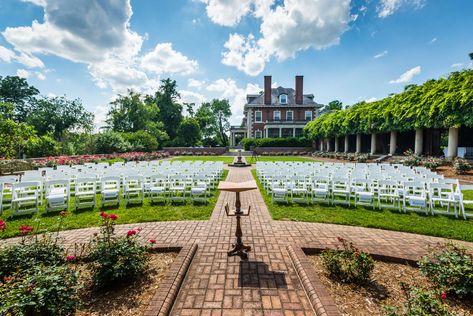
x=276, y=142
x=42, y=146
x=419, y=303
x=361, y=157
x=451, y=269
x=40, y=290
x=23, y=256
x=432, y=163
x=116, y=259
x=141, y=141
x=110, y=142
x=349, y=264
x=411, y=159
x=461, y=166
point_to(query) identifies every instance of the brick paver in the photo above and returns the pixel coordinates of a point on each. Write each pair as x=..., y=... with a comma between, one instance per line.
x=267, y=284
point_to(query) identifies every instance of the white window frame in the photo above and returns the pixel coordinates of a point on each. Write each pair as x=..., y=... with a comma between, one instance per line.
x=280, y=98
x=274, y=115
x=292, y=116
x=261, y=117
x=311, y=116
x=258, y=134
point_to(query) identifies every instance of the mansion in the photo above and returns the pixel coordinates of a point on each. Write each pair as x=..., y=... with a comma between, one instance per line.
x=276, y=112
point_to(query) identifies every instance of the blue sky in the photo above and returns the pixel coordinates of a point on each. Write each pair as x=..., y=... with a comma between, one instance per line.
x=347, y=50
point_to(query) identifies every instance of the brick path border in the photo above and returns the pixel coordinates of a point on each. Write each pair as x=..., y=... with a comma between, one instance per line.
x=163, y=299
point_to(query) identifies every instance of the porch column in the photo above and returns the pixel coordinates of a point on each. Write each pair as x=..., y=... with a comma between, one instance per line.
x=294, y=132
x=347, y=144
x=321, y=145
x=373, y=144
x=452, y=142
x=327, y=141
x=358, y=143
x=393, y=143
x=419, y=143
x=232, y=142
x=336, y=144
x=280, y=132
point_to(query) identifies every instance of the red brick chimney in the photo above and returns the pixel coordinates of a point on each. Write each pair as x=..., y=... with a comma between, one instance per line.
x=299, y=89
x=267, y=90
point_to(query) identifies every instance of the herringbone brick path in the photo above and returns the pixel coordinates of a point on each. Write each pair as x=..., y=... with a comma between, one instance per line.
x=267, y=283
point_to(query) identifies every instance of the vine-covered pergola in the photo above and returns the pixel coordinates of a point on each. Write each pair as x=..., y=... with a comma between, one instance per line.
x=414, y=119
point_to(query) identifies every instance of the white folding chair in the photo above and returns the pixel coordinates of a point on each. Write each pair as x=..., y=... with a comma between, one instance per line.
x=158, y=188
x=299, y=190
x=57, y=194
x=85, y=192
x=415, y=197
x=133, y=189
x=441, y=197
x=25, y=198
x=388, y=195
x=177, y=189
x=110, y=190
x=361, y=191
x=198, y=190
x=320, y=189
x=279, y=191
x=340, y=191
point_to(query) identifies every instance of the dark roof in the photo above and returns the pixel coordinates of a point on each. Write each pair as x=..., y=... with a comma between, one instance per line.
x=258, y=99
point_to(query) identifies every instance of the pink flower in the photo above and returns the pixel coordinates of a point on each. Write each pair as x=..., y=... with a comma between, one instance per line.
x=3, y=225
x=131, y=233
x=113, y=217
x=444, y=295
x=152, y=241
x=63, y=214
x=70, y=258
x=25, y=229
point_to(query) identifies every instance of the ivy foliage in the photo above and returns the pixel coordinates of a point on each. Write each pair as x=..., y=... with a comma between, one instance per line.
x=441, y=103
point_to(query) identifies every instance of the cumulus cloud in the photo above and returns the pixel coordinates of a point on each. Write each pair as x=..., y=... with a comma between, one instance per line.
x=389, y=7
x=23, y=73
x=8, y=56
x=164, y=59
x=382, y=54
x=292, y=26
x=196, y=84
x=227, y=13
x=191, y=97
x=98, y=34
x=408, y=75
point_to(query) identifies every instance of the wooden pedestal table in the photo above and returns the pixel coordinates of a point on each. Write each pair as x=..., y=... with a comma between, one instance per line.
x=239, y=249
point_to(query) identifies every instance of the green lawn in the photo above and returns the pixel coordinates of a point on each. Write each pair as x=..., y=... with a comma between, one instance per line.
x=127, y=215
x=249, y=159
x=441, y=226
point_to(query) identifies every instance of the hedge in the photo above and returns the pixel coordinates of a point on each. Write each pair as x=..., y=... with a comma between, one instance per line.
x=276, y=142
x=442, y=103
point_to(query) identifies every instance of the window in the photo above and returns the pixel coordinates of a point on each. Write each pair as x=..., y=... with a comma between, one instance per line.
x=258, y=134
x=277, y=115
x=283, y=99
x=258, y=117
x=308, y=115
x=289, y=116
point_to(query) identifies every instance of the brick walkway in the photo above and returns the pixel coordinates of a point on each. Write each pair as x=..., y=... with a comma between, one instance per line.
x=267, y=284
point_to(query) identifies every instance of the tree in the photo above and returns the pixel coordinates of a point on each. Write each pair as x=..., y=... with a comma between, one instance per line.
x=334, y=105
x=17, y=91
x=205, y=118
x=189, y=132
x=222, y=112
x=41, y=146
x=170, y=111
x=59, y=115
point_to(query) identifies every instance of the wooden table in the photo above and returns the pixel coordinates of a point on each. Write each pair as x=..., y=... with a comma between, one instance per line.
x=239, y=249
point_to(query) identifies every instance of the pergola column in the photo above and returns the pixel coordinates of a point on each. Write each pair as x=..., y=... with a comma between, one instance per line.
x=347, y=144
x=321, y=145
x=393, y=143
x=373, y=144
x=452, y=142
x=327, y=141
x=336, y=144
x=358, y=143
x=419, y=142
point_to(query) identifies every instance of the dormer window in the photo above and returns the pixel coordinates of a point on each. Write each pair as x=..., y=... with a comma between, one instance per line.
x=283, y=98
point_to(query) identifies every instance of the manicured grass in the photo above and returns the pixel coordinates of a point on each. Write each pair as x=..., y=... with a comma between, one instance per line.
x=127, y=215
x=249, y=159
x=439, y=225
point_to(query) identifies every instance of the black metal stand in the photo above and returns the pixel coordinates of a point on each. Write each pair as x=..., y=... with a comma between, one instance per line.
x=239, y=249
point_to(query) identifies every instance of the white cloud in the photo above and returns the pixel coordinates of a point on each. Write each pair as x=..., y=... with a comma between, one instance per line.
x=40, y=76
x=373, y=99
x=98, y=34
x=100, y=115
x=23, y=73
x=194, y=83
x=228, y=89
x=388, y=7
x=191, y=97
x=433, y=40
x=6, y=54
x=408, y=75
x=457, y=65
x=164, y=59
x=227, y=13
x=290, y=27
x=382, y=54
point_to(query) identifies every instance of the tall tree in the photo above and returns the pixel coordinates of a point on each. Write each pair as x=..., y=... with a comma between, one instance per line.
x=213, y=118
x=170, y=111
x=17, y=91
x=334, y=105
x=59, y=115
x=13, y=135
x=189, y=132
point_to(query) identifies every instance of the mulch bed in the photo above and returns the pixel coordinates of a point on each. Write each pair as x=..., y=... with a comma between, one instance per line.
x=448, y=172
x=385, y=289
x=132, y=299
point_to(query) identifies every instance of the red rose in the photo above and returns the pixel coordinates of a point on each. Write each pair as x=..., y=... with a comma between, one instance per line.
x=103, y=215
x=444, y=295
x=152, y=241
x=70, y=258
x=138, y=229
x=3, y=225
x=113, y=217
x=131, y=233
x=25, y=229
